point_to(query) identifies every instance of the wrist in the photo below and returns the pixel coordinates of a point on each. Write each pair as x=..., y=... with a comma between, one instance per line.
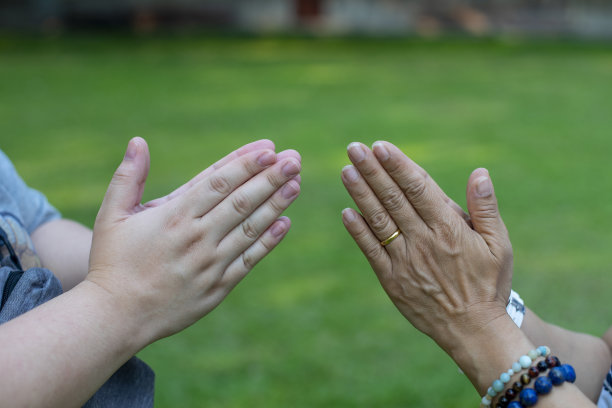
x=486, y=353
x=119, y=317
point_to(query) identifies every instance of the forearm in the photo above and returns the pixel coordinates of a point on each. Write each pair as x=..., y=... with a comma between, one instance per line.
x=59, y=354
x=492, y=351
x=63, y=247
x=589, y=355
x=607, y=338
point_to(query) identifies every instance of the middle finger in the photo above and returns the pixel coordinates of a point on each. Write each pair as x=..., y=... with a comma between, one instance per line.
x=387, y=192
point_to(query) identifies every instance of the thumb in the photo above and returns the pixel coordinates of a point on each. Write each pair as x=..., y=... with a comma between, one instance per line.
x=124, y=193
x=484, y=213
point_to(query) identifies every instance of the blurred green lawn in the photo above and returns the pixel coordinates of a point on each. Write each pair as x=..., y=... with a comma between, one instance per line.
x=310, y=326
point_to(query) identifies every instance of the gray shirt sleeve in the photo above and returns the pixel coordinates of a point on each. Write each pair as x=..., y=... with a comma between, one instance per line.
x=28, y=205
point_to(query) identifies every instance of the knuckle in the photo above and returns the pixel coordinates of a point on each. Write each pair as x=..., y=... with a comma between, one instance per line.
x=378, y=220
x=276, y=206
x=267, y=244
x=251, y=166
x=393, y=200
x=220, y=185
x=241, y=204
x=248, y=260
x=394, y=167
x=486, y=210
x=120, y=176
x=249, y=231
x=372, y=251
x=362, y=194
x=273, y=180
x=369, y=171
x=416, y=188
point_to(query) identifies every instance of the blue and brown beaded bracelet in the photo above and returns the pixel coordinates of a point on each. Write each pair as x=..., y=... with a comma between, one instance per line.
x=524, y=362
x=533, y=372
x=543, y=385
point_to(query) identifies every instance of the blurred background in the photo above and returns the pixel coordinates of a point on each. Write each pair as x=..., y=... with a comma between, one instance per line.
x=522, y=88
x=322, y=17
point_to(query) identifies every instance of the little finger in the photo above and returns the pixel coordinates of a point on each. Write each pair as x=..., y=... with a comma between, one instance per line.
x=377, y=217
x=246, y=260
x=369, y=244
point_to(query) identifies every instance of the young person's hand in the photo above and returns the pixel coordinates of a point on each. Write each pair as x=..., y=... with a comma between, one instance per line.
x=171, y=261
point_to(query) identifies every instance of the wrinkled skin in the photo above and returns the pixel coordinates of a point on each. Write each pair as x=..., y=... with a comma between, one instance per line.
x=448, y=273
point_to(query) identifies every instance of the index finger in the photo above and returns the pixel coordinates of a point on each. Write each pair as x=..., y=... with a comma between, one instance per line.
x=220, y=183
x=253, y=146
x=424, y=194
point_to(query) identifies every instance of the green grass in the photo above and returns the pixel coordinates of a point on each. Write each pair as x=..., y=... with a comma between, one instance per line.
x=310, y=326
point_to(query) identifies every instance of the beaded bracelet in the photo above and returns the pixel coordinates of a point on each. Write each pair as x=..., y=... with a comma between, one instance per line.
x=543, y=385
x=533, y=372
x=523, y=363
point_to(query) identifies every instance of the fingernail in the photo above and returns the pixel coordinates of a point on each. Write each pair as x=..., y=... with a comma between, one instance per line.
x=278, y=229
x=350, y=173
x=356, y=152
x=266, y=158
x=290, y=168
x=380, y=151
x=484, y=188
x=131, y=151
x=348, y=214
x=289, y=190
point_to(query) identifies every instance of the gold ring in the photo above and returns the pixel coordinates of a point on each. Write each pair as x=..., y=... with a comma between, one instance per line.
x=391, y=238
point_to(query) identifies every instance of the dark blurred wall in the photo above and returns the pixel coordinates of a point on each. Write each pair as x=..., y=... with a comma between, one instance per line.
x=590, y=18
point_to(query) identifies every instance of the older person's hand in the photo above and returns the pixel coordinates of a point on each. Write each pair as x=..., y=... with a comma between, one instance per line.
x=450, y=278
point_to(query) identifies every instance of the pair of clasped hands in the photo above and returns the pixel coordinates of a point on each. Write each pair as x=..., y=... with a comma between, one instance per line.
x=169, y=262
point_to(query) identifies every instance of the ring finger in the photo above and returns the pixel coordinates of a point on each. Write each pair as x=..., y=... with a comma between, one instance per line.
x=373, y=211
x=241, y=203
x=245, y=234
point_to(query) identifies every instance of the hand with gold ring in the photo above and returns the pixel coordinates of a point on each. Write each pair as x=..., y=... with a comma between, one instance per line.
x=448, y=274
x=391, y=238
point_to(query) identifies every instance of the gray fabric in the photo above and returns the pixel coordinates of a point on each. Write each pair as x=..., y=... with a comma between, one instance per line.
x=605, y=398
x=35, y=287
x=130, y=386
x=24, y=203
x=22, y=210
